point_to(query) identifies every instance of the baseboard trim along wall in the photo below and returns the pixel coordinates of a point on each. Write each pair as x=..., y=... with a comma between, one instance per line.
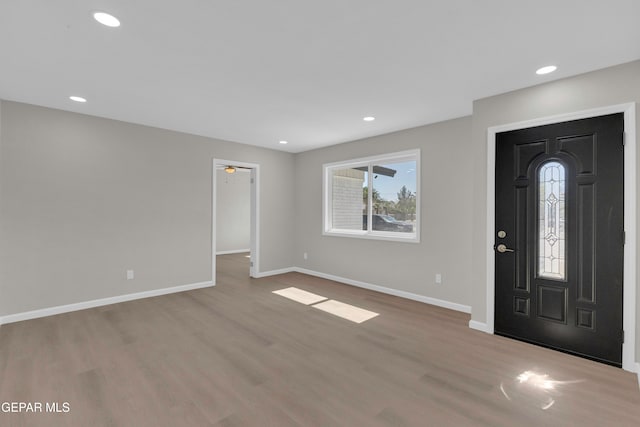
x=236, y=251
x=274, y=272
x=389, y=291
x=478, y=326
x=638, y=373
x=395, y=292
x=27, y=315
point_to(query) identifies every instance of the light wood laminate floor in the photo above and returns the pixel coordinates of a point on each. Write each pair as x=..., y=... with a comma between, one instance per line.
x=239, y=355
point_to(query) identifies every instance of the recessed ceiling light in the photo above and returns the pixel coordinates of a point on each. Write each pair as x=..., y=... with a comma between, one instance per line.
x=546, y=70
x=284, y=142
x=77, y=99
x=368, y=119
x=106, y=19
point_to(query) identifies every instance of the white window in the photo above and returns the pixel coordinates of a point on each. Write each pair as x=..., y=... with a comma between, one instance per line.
x=389, y=211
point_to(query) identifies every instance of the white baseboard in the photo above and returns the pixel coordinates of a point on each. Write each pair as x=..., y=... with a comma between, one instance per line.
x=638, y=373
x=236, y=251
x=27, y=315
x=389, y=291
x=479, y=326
x=274, y=272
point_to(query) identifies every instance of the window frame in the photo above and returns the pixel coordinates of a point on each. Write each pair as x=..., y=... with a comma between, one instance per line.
x=369, y=162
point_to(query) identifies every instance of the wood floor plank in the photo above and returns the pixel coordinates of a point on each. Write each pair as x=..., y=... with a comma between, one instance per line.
x=238, y=355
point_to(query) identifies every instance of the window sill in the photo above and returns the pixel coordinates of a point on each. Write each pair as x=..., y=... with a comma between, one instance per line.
x=375, y=235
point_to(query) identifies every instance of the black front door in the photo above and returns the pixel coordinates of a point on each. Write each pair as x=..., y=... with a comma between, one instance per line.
x=559, y=236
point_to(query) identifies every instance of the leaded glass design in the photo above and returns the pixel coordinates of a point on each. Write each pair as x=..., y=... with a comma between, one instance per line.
x=551, y=221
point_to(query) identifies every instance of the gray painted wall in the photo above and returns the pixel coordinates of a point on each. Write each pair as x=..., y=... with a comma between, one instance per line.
x=82, y=199
x=611, y=86
x=445, y=241
x=233, y=214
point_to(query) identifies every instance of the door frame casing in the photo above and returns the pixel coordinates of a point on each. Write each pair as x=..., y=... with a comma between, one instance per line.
x=255, y=214
x=630, y=199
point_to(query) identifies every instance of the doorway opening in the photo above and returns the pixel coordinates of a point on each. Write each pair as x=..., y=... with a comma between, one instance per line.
x=630, y=229
x=235, y=215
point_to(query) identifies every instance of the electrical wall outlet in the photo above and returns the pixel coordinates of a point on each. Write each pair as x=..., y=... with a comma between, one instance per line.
x=305, y=255
x=130, y=275
x=438, y=278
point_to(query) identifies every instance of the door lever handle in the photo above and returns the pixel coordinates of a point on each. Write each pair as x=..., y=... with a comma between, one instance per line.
x=502, y=249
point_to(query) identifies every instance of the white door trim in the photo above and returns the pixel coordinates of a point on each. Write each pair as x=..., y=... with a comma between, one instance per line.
x=255, y=214
x=630, y=199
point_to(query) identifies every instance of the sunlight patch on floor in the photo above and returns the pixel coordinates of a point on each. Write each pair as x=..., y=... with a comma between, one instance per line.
x=337, y=308
x=300, y=296
x=346, y=311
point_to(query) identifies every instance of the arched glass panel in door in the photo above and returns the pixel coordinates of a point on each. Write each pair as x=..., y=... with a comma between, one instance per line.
x=551, y=221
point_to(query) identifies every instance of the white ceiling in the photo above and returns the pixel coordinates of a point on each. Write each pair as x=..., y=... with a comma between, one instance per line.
x=256, y=71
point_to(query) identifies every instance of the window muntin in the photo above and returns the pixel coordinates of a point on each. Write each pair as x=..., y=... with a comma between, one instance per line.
x=389, y=211
x=551, y=221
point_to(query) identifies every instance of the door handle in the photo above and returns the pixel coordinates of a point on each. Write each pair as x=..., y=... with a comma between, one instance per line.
x=502, y=249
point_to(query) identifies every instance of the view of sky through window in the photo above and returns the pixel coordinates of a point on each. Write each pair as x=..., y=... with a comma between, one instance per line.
x=389, y=187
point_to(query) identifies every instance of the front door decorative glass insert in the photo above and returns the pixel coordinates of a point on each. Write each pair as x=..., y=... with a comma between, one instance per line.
x=551, y=217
